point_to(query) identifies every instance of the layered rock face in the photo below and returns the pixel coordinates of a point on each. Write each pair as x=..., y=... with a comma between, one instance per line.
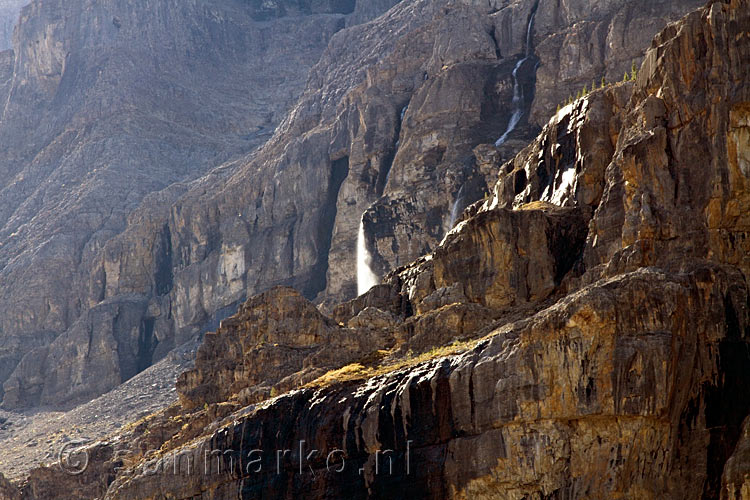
x=382, y=138
x=383, y=135
x=276, y=341
x=581, y=43
x=580, y=400
x=583, y=331
x=556, y=49
x=110, y=110
x=615, y=355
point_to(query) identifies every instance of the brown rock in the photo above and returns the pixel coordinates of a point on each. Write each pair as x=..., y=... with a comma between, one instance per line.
x=499, y=258
x=372, y=318
x=110, y=113
x=277, y=337
x=8, y=491
x=605, y=316
x=610, y=392
x=630, y=385
x=214, y=223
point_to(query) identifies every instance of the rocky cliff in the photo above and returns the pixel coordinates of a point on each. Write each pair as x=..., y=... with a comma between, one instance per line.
x=626, y=375
x=110, y=110
x=379, y=149
x=583, y=332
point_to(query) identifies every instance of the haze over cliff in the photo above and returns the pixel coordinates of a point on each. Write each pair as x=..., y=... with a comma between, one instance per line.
x=9, y=10
x=398, y=217
x=137, y=214
x=109, y=107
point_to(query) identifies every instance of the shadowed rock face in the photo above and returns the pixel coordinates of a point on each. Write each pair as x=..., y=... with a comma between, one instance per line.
x=599, y=294
x=99, y=212
x=109, y=111
x=592, y=396
x=557, y=48
x=613, y=366
x=386, y=127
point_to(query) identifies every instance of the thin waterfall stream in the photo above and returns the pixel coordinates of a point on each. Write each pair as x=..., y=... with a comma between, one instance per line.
x=456, y=204
x=366, y=278
x=518, y=97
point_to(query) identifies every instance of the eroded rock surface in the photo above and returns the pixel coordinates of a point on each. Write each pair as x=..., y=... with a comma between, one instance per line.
x=277, y=340
x=625, y=375
x=582, y=332
x=109, y=111
x=580, y=399
x=385, y=129
x=97, y=212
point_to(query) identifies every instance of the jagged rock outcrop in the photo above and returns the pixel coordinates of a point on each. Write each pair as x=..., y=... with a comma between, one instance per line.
x=499, y=258
x=568, y=45
x=579, y=400
x=386, y=127
x=277, y=341
x=565, y=165
x=607, y=272
x=625, y=377
x=652, y=212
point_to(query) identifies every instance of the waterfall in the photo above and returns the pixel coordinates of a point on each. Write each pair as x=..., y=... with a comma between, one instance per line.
x=456, y=204
x=528, y=33
x=366, y=279
x=398, y=143
x=400, y=122
x=517, y=90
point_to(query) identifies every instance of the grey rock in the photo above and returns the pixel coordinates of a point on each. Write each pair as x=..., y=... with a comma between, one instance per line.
x=9, y=11
x=110, y=110
x=195, y=222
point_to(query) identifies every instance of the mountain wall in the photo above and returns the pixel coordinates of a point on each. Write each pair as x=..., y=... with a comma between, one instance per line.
x=628, y=380
x=382, y=137
x=110, y=110
x=583, y=332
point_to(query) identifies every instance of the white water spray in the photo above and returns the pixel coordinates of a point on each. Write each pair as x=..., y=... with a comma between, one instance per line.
x=398, y=143
x=400, y=123
x=517, y=93
x=456, y=205
x=366, y=279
